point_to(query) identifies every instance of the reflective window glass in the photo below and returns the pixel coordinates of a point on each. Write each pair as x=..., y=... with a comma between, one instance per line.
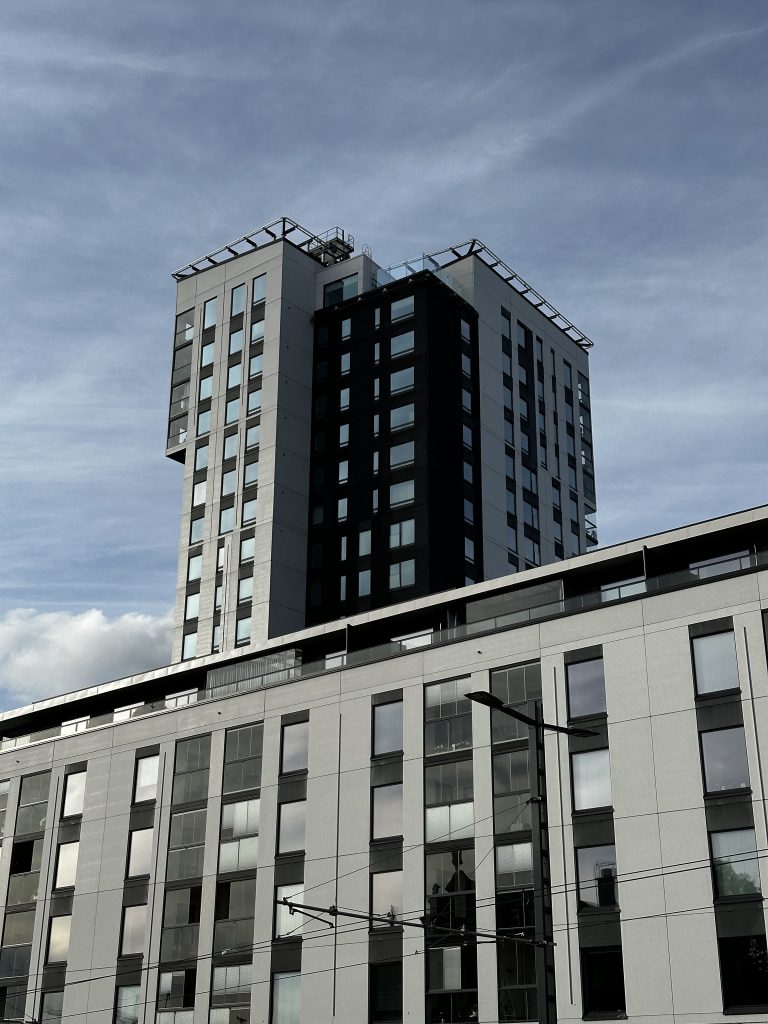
x=724, y=753
x=387, y=811
x=734, y=862
x=58, y=939
x=591, y=779
x=291, y=831
x=66, y=865
x=295, y=749
x=714, y=661
x=145, y=785
x=74, y=794
x=387, y=728
x=238, y=300
x=585, y=681
x=596, y=876
x=209, y=314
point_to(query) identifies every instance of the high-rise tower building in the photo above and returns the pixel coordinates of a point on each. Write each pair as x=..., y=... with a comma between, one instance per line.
x=353, y=437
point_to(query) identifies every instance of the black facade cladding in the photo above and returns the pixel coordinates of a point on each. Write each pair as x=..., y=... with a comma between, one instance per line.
x=437, y=434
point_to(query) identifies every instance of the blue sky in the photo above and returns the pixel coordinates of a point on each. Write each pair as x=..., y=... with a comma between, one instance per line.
x=614, y=156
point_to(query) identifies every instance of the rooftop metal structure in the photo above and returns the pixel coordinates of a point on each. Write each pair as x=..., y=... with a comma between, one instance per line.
x=331, y=247
x=443, y=258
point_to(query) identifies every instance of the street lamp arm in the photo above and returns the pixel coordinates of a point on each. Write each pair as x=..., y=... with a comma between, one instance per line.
x=489, y=700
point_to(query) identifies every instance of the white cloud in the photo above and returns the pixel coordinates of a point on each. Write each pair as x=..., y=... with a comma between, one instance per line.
x=47, y=653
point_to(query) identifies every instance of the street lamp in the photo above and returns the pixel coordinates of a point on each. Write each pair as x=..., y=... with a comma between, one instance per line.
x=542, y=887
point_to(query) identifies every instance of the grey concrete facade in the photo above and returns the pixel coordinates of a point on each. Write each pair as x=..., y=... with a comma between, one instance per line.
x=240, y=422
x=668, y=921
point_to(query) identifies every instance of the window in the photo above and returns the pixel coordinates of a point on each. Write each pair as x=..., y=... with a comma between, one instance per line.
x=402, y=574
x=259, y=293
x=236, y=341
x=199, y=489
x=602, y=981
x=401, y=417
x=288, y=924
x=192, y=606
x=734, y=863
x=139, y=852
x=206, y=388
x=387, y=811
x=514, y=865
x=186, y=845
x=286, y=988
x=204, y=422
x=245, y=589
x=596, y=876
x=386, y=895
x=249, y=509
x=466, y=400
x=250, y=474
x=469, y=549
x=243, y=630
x=256, y=365
x=74, y=794
x=52, y=1007
x=343, y=434
x=743, y=975
x=242, y=758
x=145, y=783
x=209, y=314
x=66, y=865
x=341, y=510
x=230, y=986
x=206, y=354
x=401, y=380
x=230, y=451
x=235, y=376
x=201, y=459
x=364, y=543
x=176, y=990
x=233, y=914
x=254, y=401
x=127, y=1004
x=292, y=826
x=714, y=663
x=448, y=796
x=190, y=778
x=447, y=717
x=295, y=747
x=511, y=791
x=252, y=435
x=238, y=300
x=343, y=471
x=194, y=568
x=257, y=329
x=403, y=533
x=724, y=754
x=401, y=308
x=385, y=992
x=189, y=645
x=345, y=356
x=401, y=344
x=239, y=847
x=387, y=728
x=585, y=682
x=227, y=520
x=133, y=930
x=591, y=780
x=339, y=291
x=364, y=583
x=196, y=529
x=58, y=940
x=401, y=454
x=401, y=494
x=232, y=410
x=247, y=549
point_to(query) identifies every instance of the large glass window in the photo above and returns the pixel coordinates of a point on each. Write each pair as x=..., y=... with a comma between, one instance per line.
x=401, y=494
x=448, y=795
x=286, y=991
x=190, y=779
x=186, y=845
x=402, y=574
x=238, y=300
x=239, y=849
x=714, y=663
x=401, y=308
x=176, y=990
x=585, y=681
x=231, y=986
x=145, y=784
x=734, y=863
x=181, y=923
x=133, y=930
x=259, y=293
x=385, y=993
x=401, y=344
x=401, y=417
x=386, y=895
x=234, y=914
x=401, y=380
x=743, y=975
x=402, y=534
x=242, y=758
x=292, y=826
x=127, y=1004
x=58, y=939
x=341, y=290
x=387, y=728
x=511, y=792
x=139, y=852
x=66, y=865
x=602, y=980
x=447, y=716
x=514, y=866
x=596, y=876
x=724, y=753
x=387, y=811
x=51, y=1007
x=450, y=888
x=591, y=772
x=401, y=454
x=295, y=748
x=33, y=803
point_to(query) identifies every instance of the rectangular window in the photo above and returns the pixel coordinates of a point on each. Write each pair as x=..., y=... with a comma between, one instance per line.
x=233, y=914
x=190, y=778
x=385, y=989
x=238, y=300
x=341, y=510
x=292, y=826
x=387, y=811
x=388, y=728
x=204, y=422
x=239, y=847
x=401, y=380
x=341, y=290
x=74, y=794
x=259, y=293
x=254, y=401
x=401, y=454
x=447, y=717
x=734, y=863
x=256, y=365
x=127, y=1004
x=402, y=574
x=194, y=568
x=401, y=417
x=192, y=606
x=145, y=783
x=243, y=631
x=189, y=645
x=66, y=865
x=448, y=796
x=585, y=682
x=232, y=410
x=364, y=583
x=596, y=876
x=207, y=353
x=176, y=990
x=602, y=981
x=209, y=314
x=401, y=308
x=58, y=940
x=139, y=852
x=235, y=376
x=201, y=457
x=250, y=474
x=401, y=344
x=198, y=491
x=186, y=845
x=286, y=988
x=403, y=533
x=401, y=494
x=742, y=972
x=252, y=435
x=288, y=925
x=51, y=1008
x=206, y=388
x=249, y=510
x=242, y=758
x=227, y=520
x=236, y=342
x=386, y=895
x=346, y=331
x=257, y=330
x=247, y=549
x=230, y=446
x=343, y=471
x=511, y=792
x=591, y=772
x=466, y=400
x=344, y=399
x=230, y=987
x=724, y=754
x=514, y=866
x=343, y=435
x=714, y=663
x=295, y=748
x=133, y=930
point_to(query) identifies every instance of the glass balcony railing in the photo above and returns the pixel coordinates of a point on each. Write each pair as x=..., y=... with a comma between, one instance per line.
x=23, y=888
